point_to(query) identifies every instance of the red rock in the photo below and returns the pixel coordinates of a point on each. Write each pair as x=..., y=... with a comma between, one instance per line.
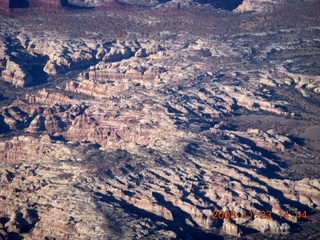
x=4, y=4
x=133, y=74
x=43, y=96
x=16, y=74
x=37, y=124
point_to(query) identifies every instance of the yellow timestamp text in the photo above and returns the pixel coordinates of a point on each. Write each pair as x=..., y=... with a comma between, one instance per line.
x=262, y=214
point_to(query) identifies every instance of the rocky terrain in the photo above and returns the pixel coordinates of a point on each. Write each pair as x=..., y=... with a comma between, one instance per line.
x=142, y=120
x=237, y=5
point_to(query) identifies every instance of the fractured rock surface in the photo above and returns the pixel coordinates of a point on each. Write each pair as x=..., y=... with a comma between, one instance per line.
x=142, y=126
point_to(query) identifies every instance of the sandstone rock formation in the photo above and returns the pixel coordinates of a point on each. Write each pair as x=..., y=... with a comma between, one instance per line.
x=134, y=127
x=16, y=75
x=257, y=5
x=231, y=228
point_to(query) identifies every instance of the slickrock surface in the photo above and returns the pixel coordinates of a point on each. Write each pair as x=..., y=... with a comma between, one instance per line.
x=140, y=122
x=255, y=5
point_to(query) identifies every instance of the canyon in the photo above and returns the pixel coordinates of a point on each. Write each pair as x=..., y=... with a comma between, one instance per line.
x=126, y=120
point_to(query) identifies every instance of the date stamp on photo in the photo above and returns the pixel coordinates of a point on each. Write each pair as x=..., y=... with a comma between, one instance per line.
x=262, y=214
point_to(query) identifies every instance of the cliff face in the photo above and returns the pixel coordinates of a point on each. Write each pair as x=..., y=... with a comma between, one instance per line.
x=16, y=74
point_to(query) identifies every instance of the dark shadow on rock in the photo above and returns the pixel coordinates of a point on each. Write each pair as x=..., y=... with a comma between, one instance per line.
x=123, y=171
x=2, y=97
x=256, y=189
x=75, y=7
x=4, y=127
x=23, y=224
x=161, y=161
x=26, y=4
x=139, y=5
x=180, y=216
x=297, y=140
x=109, y=173
x=20, y=124
x=271, y=169
x=128, y=207
x=58, y=138
x=178, y=225
x=228, y=5
x=14, y=236
x=185, y=193
x=247, y=230
x=32, y=64
x=19, y=4
x=64, y=3
x=199, y=192
x=36, y=70
x=192, y=148
x=277, y=194
x=4, y=220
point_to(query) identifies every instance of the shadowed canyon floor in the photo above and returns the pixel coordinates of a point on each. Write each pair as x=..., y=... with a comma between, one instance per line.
x=151, y=122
